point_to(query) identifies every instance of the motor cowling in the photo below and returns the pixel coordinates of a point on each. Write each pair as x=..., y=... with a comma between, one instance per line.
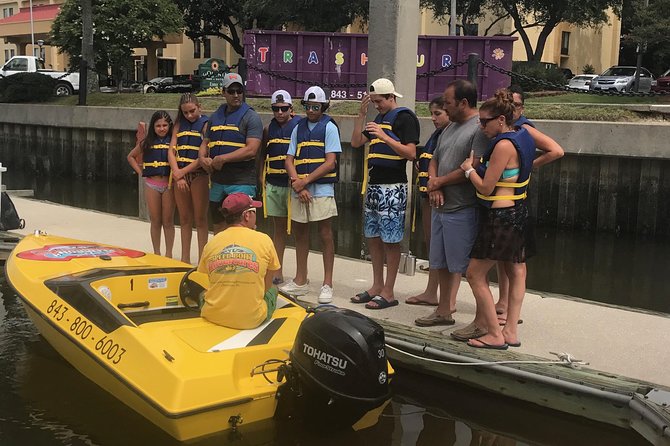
x=339, y=365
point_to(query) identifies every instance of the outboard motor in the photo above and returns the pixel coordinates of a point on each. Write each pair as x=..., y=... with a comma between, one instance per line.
x=337, y=372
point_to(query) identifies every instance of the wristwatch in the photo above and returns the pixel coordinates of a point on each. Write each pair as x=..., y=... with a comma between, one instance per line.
x=468, y=172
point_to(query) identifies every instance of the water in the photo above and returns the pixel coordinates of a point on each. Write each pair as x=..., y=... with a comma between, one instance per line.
x=47, y=402
x=622, y=270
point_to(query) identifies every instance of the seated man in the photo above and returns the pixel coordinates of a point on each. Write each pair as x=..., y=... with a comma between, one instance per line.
x=240, y=263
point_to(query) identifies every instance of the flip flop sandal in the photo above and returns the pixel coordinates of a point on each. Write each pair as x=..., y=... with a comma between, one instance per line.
x=361, y=298
x=381, y=303
x=414, y=301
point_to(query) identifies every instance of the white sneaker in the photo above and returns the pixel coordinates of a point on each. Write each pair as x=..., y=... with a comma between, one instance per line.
x=326, y=295
x=293, y=288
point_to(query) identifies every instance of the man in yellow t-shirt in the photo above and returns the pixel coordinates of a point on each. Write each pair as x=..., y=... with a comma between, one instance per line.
x=240, y=263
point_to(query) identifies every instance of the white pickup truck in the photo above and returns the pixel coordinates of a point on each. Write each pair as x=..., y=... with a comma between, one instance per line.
x=66, y=83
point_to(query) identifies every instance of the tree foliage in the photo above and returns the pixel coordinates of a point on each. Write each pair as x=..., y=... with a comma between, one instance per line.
x=118, y=26
x=466, y=10
x=650, y=27
x=227, y=19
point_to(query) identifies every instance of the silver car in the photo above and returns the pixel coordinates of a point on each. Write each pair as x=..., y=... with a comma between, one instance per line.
x=581, y=81
x=620, y=78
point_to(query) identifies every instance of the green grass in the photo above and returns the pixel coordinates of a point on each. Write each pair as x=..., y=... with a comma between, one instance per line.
x=569, y=106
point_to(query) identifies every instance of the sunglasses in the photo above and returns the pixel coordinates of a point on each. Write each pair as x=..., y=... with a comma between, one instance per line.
x=312, y=107
x=234, y=91
x=484, y=121
x=282, y=108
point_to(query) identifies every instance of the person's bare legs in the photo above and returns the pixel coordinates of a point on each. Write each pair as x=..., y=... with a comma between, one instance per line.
x=301, y=231
x=429, y=295
x=167, y=203
x=153, y=199
x=279, y=239
x=503, y=290
x=185, y=208
x=327, y=250
x=392, y=251
x=200, y=199
x=376, y=247
x=486, y=312
x=517, y=290
x=449, y=284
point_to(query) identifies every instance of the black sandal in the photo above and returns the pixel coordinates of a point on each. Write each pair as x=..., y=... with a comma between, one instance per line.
x=361, y=298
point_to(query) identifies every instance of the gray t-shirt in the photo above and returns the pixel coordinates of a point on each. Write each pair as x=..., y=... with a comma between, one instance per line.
x=453, y=147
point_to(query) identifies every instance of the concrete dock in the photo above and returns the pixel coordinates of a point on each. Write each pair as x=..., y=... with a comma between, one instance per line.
x=616, y=342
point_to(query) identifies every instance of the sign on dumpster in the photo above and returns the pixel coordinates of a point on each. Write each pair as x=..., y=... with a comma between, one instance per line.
x=277, y=59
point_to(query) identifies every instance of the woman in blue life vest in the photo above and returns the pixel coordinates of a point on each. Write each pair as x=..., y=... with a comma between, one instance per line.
x=311, y=164
x=550, y=151
x=274, y=178
x=192, y=183
x=440, y=120
x=501, y=180
x=149, y=158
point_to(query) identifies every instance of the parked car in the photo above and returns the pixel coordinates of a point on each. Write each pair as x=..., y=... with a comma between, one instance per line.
x=177, y=84
x=663, y=82
x=581, y=81
x=67, y=83
x=621, y=78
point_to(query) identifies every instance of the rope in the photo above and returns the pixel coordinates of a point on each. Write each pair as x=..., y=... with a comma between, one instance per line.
x=563, y=359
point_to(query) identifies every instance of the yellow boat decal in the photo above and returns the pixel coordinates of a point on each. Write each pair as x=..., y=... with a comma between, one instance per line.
x=245, y=338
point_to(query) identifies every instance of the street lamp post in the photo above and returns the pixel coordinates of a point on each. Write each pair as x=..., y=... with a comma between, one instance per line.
x=32, y=28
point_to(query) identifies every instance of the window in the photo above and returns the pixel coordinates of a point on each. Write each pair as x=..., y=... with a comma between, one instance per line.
x=9, y=54
x=565, y=43
x=207, y=43
x=7, y=12
x=196, y=49
x=18, y=65
x=159, y=52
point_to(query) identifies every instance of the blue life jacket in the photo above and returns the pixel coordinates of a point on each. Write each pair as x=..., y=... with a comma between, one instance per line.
x=521, y=121
x=425, y=155
x=155, y=158
x=278, y=141
x=380, y=154
x=224, y=131
x=525, y=147
x=189, y=139
x=311, y=150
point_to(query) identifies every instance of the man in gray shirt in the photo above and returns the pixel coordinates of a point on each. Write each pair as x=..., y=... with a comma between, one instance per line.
x=452, y=197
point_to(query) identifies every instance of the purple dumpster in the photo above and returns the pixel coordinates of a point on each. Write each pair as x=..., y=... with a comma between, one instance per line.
x=295, y=60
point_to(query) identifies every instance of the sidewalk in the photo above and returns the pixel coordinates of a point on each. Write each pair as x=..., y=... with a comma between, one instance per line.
x=628, y=343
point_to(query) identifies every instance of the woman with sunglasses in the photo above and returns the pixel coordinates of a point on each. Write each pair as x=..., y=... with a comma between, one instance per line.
x=311, y=163
x=501, y=181
x=274, y=179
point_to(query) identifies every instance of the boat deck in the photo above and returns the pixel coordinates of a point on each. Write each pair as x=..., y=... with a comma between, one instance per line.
x=626, y=350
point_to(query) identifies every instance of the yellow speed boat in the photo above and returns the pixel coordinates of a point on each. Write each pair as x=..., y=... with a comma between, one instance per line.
x=123, y=319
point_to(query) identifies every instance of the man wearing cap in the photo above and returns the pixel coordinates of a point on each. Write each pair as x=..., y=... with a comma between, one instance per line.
x=228, y=151
x=311, y=163
x=240, y=263
x=275, y=181
x=393, y=137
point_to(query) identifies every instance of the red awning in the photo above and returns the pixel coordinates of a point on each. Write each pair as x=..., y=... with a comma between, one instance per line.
x=40, y=13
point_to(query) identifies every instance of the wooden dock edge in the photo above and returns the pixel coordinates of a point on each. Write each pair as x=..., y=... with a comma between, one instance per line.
x=589, y=393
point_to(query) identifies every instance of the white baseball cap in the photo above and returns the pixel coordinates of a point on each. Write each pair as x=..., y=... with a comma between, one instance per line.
x=232, y=78
x=315, y=94
x=281, y=96
x=384, y=86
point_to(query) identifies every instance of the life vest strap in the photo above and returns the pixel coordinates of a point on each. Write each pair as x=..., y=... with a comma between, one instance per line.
x=188, y=133
x=386, y=157
x=225, y=143
x=309, y=161
x=221, y=128
x=187, y=147
x=183, y=159
x=515, y=185
x=271, y=171
x=502, y=197
x=160, y=146
x=422, y=175
x=426, y=156
x=328, y=175
x=279, y=141
x=275, y=158
x=155, y=164
x=308, y=144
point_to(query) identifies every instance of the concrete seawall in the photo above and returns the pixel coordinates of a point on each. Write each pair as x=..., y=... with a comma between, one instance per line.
x=614, y=177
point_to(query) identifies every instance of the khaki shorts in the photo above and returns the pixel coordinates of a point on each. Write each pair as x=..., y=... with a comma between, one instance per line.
x=320, y=208
x=276, y=200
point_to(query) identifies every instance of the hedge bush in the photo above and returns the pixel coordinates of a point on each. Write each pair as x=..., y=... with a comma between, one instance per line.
x=539, y=71
x=27, y=87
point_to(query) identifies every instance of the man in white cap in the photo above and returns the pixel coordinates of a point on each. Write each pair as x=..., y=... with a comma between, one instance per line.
x=228, y=151
x=393, y=137
x=275, y=180
x=312, y=168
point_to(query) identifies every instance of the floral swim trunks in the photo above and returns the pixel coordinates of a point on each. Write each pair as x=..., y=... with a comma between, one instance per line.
x=384, y=211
